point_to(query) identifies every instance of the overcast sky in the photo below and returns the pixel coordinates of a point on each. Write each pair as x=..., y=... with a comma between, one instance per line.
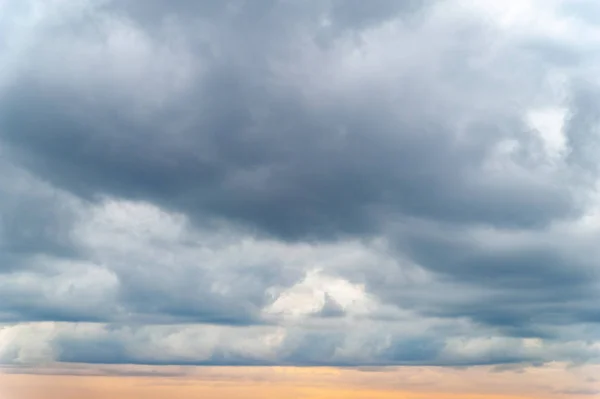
x=341, y=183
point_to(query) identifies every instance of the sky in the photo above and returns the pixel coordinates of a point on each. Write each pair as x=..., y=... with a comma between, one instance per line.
x=311, y=199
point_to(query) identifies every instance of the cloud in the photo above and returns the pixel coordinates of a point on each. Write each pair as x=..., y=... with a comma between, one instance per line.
x=205, y=345
x=238, y=139
x=580, y=392
x=298, y=183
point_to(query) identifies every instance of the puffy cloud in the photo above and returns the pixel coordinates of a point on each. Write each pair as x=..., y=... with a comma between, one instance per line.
x=299, y=183
x=366, y=344
x=272, y=141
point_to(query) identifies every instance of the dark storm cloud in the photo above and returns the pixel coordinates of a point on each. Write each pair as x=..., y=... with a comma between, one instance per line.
x=36, y=225
x=186, y=295
x=245, y=149
x=342, y=15
x=98, y=352
x=300, y=348
x=524, y=288
x=301, y=124
x=34, y=219
x=533, y=267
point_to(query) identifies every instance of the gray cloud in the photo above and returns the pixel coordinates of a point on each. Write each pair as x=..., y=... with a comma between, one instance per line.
x=35, y=219
x=194, y=179
x=244, y=147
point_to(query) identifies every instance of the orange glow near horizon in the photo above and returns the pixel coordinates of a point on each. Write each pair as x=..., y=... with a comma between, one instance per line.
x=309, y=383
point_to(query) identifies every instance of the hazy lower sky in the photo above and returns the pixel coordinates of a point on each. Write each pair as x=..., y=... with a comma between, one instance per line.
x=311, y=199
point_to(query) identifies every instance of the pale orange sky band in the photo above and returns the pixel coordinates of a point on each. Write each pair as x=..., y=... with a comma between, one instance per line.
x=552, y=381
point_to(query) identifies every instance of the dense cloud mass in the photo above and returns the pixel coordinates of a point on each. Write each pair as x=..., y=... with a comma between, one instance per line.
x=280, y=182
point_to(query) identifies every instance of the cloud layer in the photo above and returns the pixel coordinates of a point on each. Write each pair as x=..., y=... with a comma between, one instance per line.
x=299, y=182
